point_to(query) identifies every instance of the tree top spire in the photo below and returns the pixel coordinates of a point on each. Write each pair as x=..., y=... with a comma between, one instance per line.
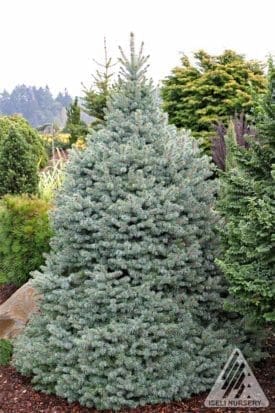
x=135, y=67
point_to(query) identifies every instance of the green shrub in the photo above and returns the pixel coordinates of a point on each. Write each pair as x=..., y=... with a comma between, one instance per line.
x=24, y=237
x=30, y=135
x=18, y=169
x=5, y=352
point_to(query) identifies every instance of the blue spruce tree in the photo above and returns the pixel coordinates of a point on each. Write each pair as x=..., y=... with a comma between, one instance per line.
x=131, y=310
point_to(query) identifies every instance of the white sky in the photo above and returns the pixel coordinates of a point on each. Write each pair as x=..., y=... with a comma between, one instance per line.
x=54, y=41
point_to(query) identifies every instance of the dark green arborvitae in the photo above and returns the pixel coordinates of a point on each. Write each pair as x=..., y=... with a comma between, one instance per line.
x=18, y=166
x=247, y=205
x=132, y=300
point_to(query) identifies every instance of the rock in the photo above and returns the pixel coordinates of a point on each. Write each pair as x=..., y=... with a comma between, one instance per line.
x=16, y=311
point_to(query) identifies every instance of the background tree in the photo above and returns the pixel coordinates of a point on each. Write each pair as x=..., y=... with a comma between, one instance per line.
x=18, y=169
x=64, y=98
x=210, y=90
x=75, y=126
x=132, y=305
x=37, y=105
x=247, y=206
x=95, y=97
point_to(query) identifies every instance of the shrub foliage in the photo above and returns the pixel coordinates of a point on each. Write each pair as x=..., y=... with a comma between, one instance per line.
x=213, y=88
x=24, y=237
x=5, y=352
x=29, y=134
x=18, y=169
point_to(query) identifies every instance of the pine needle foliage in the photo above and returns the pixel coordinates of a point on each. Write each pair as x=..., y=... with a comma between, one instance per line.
x=132, y=307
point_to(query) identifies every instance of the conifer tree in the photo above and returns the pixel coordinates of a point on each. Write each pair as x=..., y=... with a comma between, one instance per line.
x=247, y=205
x=95, y=97
x=74, y=125
x=18, y=166
x=132, y=309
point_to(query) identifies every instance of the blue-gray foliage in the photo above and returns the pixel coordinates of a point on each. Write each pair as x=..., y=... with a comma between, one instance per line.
x=132, y=308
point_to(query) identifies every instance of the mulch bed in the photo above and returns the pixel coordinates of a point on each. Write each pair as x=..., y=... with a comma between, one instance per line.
x=18, y=396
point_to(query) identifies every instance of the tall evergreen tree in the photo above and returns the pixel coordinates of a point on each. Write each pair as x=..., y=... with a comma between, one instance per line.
x=74, y=125
x=131, y=308
x=95, y=97
x=247, y=205
x=18, y=169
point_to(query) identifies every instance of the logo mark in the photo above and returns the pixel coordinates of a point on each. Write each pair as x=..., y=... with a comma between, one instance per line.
x=236, y=386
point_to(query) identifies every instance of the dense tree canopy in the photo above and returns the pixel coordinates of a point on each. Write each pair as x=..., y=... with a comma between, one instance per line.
x=213, y=88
